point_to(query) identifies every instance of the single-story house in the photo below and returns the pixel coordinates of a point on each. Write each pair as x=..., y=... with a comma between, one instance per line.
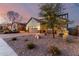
x=38, y=25
x=17, y=26
x=35, y=25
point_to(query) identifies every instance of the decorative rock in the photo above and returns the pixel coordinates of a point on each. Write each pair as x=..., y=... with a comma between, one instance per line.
x=37, y=36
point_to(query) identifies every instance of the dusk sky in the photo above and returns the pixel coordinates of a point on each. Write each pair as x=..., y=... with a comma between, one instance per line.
x=28, y=10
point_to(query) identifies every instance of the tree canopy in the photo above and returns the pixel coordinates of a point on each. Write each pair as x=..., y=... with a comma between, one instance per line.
x=49, y=12
x=12, y=15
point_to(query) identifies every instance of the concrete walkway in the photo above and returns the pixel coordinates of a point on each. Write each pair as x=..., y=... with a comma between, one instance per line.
x=5, y=49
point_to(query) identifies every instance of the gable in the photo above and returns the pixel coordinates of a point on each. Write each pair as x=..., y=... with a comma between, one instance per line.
x=33, y=23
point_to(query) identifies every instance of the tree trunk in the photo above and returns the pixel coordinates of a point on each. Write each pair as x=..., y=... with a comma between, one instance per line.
x=53, y=32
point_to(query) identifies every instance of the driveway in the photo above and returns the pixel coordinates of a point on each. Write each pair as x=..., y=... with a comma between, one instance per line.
x=5, y=49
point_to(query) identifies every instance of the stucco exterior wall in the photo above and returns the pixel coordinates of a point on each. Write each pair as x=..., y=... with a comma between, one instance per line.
x=33, y=24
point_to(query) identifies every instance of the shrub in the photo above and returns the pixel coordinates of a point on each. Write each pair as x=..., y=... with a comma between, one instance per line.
x=14, y=39
x=26, y=39
x=73, y=32
x=31, y=45
x=69, y=41
x=54, y=50
x=45, y=34
x=61, y=34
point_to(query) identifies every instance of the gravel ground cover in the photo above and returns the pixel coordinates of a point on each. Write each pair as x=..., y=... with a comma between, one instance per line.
x=41, y=49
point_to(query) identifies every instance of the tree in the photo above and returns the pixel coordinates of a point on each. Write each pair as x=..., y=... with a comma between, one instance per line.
x=13, y=16
x=49, y=12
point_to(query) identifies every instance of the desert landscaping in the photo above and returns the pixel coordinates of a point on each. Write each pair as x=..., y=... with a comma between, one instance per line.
x=42, y=46
x=42, y=29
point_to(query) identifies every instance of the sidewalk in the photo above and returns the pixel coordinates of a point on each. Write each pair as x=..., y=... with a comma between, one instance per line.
x=5, y=49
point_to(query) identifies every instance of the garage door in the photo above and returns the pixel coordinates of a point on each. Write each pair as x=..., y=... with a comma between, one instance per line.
x=33, y=30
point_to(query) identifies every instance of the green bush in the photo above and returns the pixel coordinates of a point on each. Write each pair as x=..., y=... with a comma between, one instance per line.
x=54, y=50
x=31, y=45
